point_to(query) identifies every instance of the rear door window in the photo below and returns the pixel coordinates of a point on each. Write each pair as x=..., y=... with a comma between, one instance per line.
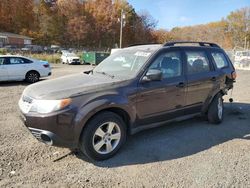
x=16, y=60
x=219, y=59
x=197, y=62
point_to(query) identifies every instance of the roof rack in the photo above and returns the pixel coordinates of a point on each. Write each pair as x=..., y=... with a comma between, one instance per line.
x=192, y=42
x=140, y=44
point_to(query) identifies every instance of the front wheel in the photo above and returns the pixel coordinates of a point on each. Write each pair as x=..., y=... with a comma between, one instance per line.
x=216, y=110
x=103, y=136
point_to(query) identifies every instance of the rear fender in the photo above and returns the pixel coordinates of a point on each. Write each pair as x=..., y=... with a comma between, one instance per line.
x=210, y=99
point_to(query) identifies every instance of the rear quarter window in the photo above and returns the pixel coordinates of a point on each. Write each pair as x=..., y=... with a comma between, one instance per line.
x=27, y=60
x=219, y=59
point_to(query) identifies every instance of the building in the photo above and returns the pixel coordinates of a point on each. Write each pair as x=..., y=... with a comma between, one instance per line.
x=14, y=39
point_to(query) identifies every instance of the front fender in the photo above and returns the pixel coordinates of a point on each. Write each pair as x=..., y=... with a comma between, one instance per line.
x=91, y=108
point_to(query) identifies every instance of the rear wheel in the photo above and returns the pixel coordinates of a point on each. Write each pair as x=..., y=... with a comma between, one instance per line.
x=32, y=77
x=216, y=110
x=103, y=136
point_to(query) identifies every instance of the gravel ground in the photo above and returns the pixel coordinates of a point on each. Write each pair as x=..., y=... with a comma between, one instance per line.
x=191, y=153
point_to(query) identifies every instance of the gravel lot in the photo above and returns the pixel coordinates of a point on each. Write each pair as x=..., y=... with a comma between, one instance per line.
x=192, y=153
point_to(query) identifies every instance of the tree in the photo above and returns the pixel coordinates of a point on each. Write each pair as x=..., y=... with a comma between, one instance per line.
x=161, y=36
x=77, y=30
x=14, y=15
x=239, y=26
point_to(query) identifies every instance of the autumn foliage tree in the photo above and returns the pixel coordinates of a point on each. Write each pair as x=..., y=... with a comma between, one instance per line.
x=16, y=15
x=95, y=24
x=232, y=31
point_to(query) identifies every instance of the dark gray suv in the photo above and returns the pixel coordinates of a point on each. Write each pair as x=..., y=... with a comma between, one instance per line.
x=136, y=88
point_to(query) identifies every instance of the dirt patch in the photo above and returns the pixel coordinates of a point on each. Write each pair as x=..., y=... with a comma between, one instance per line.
x=192, y=153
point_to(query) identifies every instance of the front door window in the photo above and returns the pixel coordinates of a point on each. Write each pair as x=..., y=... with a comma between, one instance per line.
x=169, y=63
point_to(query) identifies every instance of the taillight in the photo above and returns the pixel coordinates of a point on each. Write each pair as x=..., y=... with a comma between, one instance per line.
x=234, y=75
x=46, y=65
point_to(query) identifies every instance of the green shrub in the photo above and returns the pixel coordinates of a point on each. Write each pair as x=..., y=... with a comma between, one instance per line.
x=3, y=51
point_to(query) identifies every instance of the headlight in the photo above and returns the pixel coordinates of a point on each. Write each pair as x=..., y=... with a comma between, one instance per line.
x=47, y=106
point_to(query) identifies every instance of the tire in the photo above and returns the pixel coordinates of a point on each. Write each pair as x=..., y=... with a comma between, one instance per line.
x=216, y=110
x=96, y=141
x=32, y=77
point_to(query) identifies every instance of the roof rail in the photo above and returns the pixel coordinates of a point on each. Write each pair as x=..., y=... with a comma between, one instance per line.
x=192, y=42
x=139, y=44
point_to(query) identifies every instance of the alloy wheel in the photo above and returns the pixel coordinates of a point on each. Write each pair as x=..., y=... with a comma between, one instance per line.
x=106, y=138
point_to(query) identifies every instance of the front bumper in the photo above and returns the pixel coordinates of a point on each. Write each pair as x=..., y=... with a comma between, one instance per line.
x=74, y=62
x=55, y=129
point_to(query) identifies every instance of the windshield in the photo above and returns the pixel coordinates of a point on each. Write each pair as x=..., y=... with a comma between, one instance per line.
x=123, y=64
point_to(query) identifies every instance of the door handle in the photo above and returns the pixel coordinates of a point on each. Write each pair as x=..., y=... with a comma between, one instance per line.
x=213, y=78
x=181, y=84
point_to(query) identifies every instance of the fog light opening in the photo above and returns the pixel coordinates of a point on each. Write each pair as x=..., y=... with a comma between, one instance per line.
x=46, y=139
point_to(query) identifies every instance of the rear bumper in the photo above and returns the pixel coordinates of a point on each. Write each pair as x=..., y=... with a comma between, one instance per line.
x=45, y=73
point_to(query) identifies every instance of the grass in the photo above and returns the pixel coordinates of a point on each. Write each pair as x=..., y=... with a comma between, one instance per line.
x=2, y=51
x=51, y=58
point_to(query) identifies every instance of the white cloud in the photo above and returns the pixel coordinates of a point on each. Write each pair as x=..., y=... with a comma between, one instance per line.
x=184, y=19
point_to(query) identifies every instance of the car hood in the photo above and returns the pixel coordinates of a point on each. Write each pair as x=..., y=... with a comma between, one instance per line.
x=69, y=86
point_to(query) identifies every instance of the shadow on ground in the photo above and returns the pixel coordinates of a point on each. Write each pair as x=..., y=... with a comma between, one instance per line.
x=181, y=139
x=17, y=83
x=13, y=83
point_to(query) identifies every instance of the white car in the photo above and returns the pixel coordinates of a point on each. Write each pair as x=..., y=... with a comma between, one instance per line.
x=17, y=68
x=242, y=55
x=70, y=58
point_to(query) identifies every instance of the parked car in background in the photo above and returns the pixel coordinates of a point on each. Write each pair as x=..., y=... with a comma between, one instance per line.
x=70, y=58
x=133, y=89
x=65, y=51
x=17, y=68
x=32, y=49
x=55, y=48
x=244, y=63
x=10, y=48
x=241, y=55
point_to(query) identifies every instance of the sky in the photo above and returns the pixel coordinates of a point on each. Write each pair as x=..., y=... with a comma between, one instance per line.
x=177, y=13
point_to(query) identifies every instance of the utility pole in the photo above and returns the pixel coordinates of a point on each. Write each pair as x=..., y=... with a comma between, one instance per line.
x=245, y=43
x=123, y=22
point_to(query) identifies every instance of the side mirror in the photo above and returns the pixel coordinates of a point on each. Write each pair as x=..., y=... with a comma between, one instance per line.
x=88, y=72
x=152, y=75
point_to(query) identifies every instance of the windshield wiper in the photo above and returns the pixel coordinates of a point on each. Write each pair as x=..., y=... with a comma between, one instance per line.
x=104, y=73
